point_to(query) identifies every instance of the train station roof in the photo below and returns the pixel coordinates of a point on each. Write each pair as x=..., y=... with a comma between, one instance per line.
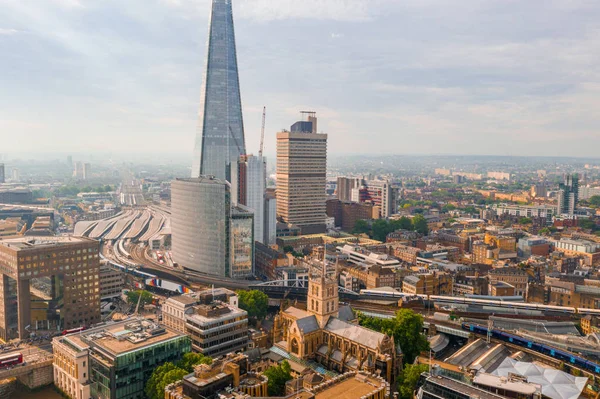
x=555, y=384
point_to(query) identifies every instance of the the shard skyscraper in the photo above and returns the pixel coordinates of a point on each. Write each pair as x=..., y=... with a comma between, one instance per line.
x=220, y=136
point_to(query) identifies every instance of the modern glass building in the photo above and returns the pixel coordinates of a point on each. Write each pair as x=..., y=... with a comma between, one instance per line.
x=241, y=242
x=220, y=136
x=115, y=360
x=200, y=213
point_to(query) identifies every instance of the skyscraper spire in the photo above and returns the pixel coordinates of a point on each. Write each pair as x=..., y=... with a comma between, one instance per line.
x=220, y=135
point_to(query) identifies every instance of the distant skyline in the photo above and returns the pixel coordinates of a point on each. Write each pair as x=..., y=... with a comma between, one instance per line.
x=384, y=76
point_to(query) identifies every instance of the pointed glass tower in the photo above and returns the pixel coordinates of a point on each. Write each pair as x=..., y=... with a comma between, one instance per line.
x=220, y=136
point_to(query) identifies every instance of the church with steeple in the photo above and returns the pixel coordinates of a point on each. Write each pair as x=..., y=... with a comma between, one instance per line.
x=329, y=334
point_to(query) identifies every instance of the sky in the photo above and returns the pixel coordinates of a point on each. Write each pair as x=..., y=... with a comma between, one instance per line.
x=499, y=77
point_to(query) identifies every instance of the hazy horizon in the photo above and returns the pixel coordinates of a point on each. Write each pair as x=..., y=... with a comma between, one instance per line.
x=385, y=77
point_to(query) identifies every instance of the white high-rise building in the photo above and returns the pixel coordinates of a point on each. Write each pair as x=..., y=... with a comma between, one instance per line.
x=248, y=183
x=270, y=224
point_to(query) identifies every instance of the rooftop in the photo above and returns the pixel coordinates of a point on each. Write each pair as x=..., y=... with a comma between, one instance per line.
x=555, y=384
x=351, y=388
x=122, y=337
x=461, y=387
x=33, y=242
x=490, y=380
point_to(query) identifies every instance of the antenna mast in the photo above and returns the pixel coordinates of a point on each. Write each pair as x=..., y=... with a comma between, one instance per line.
x=262, y=133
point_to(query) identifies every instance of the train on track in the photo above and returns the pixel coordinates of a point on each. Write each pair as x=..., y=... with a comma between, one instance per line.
x=560, y=354
x=482, y=302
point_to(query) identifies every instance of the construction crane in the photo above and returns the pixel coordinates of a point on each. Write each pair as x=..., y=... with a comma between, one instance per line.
x=262, y=133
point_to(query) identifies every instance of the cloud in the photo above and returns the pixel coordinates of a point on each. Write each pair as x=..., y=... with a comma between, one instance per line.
x=384, y=76
x=8, y=32
x=269, y=10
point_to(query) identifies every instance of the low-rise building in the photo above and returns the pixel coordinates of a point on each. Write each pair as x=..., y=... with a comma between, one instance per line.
x=231, y=372
x=436, y=387
x=115, y=360
x=406, y=253
x=514, y=276
x=357, y=254
x=536, y=246
x=589, y=251
x=437, y=283
x=202, y=316
x=347, y=213
x=500, y=288
x=469, y=285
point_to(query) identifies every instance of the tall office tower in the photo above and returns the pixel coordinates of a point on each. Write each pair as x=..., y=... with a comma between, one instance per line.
x=48, y=283
x=87, y=171
x=15, y=175
x=538, y=191
x=248, y=181
x=70, y=161
x=380, y=193
x=568, y=195
x=210, y=235
x=200, y=212
x=383, y=194
x=301, y=176
x=270, y=218
x=78, y=170
x=345, y=186
x=2, y=175
x=220, y=134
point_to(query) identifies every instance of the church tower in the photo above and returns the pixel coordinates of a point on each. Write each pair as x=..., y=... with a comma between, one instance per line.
x=323, y=299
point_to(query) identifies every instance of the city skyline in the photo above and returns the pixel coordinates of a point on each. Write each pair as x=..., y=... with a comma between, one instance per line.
x=520, y=76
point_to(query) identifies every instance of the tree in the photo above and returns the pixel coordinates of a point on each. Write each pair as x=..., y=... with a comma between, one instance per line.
x=403, y=223
x=594, y=200
x=288, y=249
x=278, y=376
x=189, y=360
x=361, y=227
x=544, y=231
x=381, y=228
x=254, y=302
x=132, y=297
x=420, y=224
x=408, y=379
x=525, y=220
x=406, y=328
x=154, y=388
x=448, y=207
x=587, y=224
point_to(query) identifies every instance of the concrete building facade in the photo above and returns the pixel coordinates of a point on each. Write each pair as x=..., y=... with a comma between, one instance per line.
x=203, y=316
x=301, y=176
x=60, y=273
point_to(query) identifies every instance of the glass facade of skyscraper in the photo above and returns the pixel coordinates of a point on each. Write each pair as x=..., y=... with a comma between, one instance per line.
x=220, y=135
x=201, y=209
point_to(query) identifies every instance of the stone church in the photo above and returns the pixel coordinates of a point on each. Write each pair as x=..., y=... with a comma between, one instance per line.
x=330, y=336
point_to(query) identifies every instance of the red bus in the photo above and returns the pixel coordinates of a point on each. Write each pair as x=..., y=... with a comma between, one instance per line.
x=11, y=360
x=73, y=330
